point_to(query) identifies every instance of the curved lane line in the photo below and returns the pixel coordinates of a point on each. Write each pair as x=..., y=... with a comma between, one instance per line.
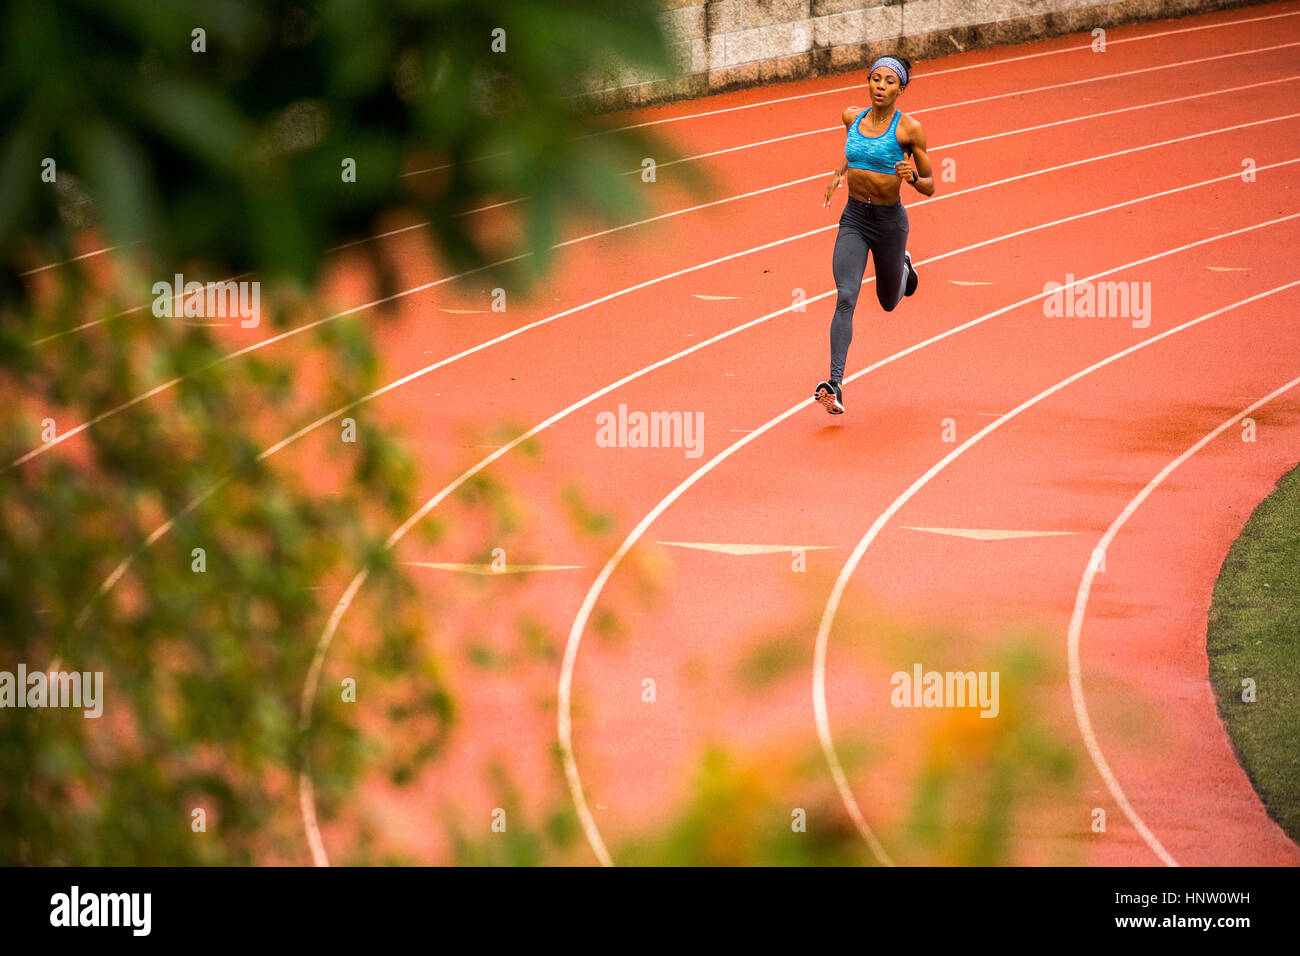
x=1081, y=607
x=579, y=624
x=837, y=592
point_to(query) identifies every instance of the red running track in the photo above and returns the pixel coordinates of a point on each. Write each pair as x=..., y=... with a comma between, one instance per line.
x=1070, y=464
x=1062, y=164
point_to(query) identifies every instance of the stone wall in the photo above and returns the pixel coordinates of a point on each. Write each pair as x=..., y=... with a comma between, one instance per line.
x=727, y=44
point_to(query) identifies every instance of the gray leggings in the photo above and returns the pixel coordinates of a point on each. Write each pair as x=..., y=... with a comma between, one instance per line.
x=883, y=231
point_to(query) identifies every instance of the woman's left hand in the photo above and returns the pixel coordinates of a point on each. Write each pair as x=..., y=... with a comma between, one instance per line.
x=903, y=170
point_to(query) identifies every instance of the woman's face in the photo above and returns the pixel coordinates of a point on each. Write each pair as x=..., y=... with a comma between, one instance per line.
x=884, y=86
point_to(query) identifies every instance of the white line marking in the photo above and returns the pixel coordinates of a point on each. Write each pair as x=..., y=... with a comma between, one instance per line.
x=744, y=549
x=176, y=309
x=579, y=623
x=938, y=149
x=571, y=771
x=564, y=726
x=1081, y=607
x=84, y=255
x=988, y=534
x=841, y=582
x=163, y=529
x=488, y=569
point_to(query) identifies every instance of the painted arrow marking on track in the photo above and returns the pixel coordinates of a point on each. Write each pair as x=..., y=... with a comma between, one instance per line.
x=488, y=569
x=747, y=548
x=988, y=534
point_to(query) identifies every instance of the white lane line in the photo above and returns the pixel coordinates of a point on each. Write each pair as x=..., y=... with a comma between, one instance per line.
x=988, y=534
x=83, y=256
x=111, y=581
x=931, y=109
x=115, y=576
x=783, y=99
x=746, y=549
x=579, y=622
x=589, y=827
x=490, y=569
x=841, y=582
x=1081, y=607
x=176, y=308
x=571, y=772
x=938, y=149
x=77, y=429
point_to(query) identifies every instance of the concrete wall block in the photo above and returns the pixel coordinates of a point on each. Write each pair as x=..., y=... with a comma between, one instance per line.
x=715, y=53
x=734, y=77
x=759, y=13
x=684, y=23
x=967, y=12
x=963, y=12
x=784, y=39
x=923, y=16
x=883, y=23
x=743, y=47
x=844, y=57
x=784, y=68
x=699, y=56
x=850, y=27
x=822, y=8
x=689, y=56
x=723, y=17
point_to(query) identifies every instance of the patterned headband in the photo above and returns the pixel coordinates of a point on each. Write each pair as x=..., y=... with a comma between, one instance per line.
x=892, y=63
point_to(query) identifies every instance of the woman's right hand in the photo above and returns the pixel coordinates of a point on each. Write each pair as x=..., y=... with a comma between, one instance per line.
x=831, y=187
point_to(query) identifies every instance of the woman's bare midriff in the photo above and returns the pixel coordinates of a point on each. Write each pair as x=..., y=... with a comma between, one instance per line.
x=879, y=188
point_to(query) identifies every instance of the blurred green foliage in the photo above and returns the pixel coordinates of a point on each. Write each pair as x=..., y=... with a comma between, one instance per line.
x=229, y=160
x=235, y=154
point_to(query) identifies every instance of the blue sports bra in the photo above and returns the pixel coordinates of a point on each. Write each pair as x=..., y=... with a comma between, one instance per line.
x=876, y=153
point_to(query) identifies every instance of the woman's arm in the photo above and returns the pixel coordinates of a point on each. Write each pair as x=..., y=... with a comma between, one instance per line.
x=922, y=177
x=838, y=177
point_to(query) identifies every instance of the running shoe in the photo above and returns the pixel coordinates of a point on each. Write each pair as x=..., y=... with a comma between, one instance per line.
x=830, y=396
x=910, y=286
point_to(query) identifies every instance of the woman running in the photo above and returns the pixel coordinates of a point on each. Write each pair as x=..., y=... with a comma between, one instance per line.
x=875, y=157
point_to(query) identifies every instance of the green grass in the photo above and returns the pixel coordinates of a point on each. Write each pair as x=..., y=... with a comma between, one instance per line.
x=1254, y=633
